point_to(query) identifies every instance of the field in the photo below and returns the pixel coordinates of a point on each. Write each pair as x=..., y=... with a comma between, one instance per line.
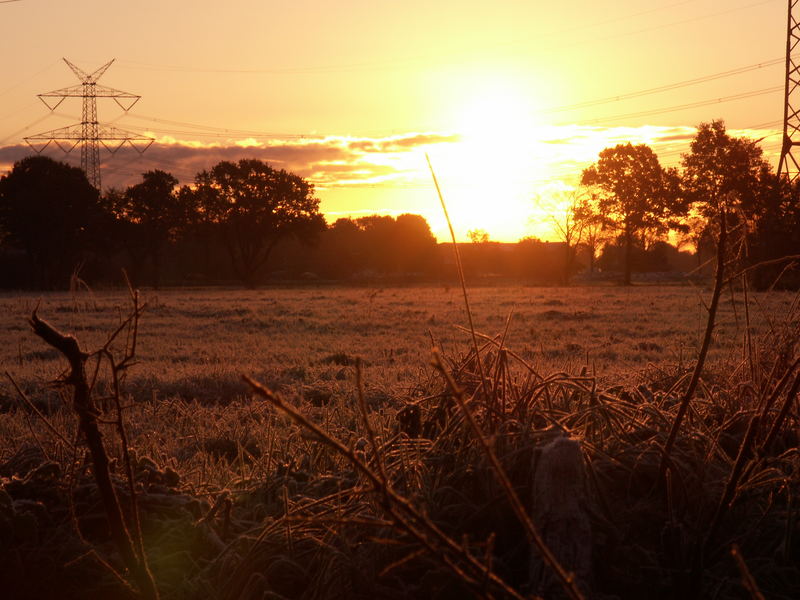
x=198, y=343
x=238, y=499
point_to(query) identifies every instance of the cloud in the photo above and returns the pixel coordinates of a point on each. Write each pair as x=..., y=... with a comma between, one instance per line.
x=402, y=143
x=678, y=137
x=351, y=162
x=323, y=160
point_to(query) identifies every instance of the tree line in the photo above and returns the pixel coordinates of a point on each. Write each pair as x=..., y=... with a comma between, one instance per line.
x=245, y=221
x=629, y=203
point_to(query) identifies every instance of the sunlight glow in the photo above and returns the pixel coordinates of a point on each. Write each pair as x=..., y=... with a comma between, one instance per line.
x=490, y=176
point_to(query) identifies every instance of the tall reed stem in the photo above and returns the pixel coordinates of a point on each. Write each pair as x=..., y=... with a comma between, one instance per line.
x=462, y=279
x=701, y=359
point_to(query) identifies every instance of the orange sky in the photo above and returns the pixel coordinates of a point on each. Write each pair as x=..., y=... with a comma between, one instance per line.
x=510, y=99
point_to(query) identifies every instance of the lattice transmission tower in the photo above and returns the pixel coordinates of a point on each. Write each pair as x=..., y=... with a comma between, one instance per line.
x=789, y=164
x=89, y=133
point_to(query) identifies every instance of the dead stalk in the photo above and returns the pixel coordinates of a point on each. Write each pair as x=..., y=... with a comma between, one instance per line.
x=403, y=512
x=567, y=579
x=698, y=369
x=134, y=560
x=462, y=279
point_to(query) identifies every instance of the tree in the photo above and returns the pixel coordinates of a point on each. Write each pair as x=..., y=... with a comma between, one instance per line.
x=722, y=170
x=478, y=236
x=254, y=206
x=340, y=254
x=413, y=244
x=775, y=234
x=635, y=194
x=564, y=213
x=51, y=213
x=151, y=214
x=593, y=224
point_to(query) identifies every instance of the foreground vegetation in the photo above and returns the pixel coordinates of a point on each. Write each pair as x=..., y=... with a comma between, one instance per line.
x=326, y=477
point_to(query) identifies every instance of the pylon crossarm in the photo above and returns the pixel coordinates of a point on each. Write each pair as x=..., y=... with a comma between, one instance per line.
x=47, y=104
x=100, y=70
x=66, y=148
x=34, y=148
x=103, y=91
x=129, y=106
x=71, y=132
x=88, y=78
x=143, y=148
x=112, y=148
x=79, y=73
x=115, y=133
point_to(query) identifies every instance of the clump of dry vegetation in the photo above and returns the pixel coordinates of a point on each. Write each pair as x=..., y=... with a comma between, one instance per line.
x=290, y=489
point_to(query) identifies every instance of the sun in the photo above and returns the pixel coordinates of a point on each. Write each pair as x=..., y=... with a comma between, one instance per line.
x=489, y=175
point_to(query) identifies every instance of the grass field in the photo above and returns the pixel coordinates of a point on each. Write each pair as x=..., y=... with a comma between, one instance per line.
x=239, y=499
x=198, y=343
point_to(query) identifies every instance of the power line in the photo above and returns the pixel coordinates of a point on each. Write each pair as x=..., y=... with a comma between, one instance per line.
x=369, y=65
x=678, y=107
x=664, y=88
x=556, y=109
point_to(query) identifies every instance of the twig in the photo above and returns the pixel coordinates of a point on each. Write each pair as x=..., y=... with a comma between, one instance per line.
x=405, y=514
x=87, y=416
x=32, y=407
x=747, y=578
x=791, y=396
x=698, y=369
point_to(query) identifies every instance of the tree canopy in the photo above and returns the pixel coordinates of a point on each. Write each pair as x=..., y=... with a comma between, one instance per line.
x=150, y=214
x=634, y=193
x=722, y=169
x=253, y=206
x=51, y=212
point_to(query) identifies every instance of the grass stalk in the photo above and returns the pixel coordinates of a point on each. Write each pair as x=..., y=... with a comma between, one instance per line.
x=404, y=513
x=462, y=279
x=567, y=579
x=748, y=580
x=701, y=359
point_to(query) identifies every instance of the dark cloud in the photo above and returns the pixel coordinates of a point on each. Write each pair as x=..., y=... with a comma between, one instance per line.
x=402, y=143
x=323, y=160
x=678, y=137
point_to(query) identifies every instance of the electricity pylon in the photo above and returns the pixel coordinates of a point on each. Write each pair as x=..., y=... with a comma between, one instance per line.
x=789, y=163
x=89, y=133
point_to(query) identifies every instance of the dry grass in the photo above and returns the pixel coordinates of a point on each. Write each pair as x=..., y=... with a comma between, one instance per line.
x=301, y=494
x=197, y=343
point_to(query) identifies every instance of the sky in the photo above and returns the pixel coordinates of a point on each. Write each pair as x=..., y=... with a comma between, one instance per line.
x=509, y=99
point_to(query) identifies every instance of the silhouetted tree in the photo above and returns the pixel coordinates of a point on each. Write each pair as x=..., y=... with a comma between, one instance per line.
x=775, y=233
x=635, y=193
x=376, y=240
x=413, y=244
x=51, y=213
x=537, y=261
x=722, y=170
x=569, y=226
x=478, y=236
x=719, y=172
x=340, y=253
x=151, y=214
x=255, y=206
x=594, y=226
